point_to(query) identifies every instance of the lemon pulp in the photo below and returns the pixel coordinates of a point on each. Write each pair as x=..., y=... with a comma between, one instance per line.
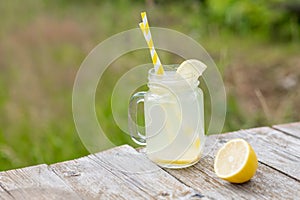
x=236, y=161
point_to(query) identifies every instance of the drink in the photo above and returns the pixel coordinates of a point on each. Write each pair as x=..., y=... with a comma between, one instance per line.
x=173, y=109
x=174, y=121
x=174, y=118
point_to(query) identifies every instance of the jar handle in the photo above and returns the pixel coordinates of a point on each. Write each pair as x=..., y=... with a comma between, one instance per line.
x=136, y=136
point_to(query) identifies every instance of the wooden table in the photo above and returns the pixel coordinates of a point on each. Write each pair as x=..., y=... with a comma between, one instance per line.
x=125, y=173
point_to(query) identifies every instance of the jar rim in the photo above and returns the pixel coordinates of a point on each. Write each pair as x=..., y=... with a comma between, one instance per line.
x=171, y=76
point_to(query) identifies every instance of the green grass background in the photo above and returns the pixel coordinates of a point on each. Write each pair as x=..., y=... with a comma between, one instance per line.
x=42, y=44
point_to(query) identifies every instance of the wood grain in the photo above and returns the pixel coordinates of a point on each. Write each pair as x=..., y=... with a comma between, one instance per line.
x=290, y=129
x=139, y=172
x=273, y=148
x=5, y=194
x=91, y=181
x=125, y=173
x=36, y=182
x=266, y=184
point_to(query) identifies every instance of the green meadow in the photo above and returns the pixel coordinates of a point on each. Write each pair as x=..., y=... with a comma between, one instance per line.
x=43, y=43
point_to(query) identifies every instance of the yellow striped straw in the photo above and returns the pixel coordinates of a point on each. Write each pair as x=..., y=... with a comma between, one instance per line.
x=144, y=26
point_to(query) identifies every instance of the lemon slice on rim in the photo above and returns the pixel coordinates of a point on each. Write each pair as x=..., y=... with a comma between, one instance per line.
x=193, y=67
x=236, y=161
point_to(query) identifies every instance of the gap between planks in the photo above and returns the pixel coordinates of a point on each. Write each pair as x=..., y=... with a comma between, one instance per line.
x=268, y=178
x=121, y=172
x=35, y=182
x=292, y=129
x=279, y=171
x=273, y=148
x=266, y=184
x=283, y=142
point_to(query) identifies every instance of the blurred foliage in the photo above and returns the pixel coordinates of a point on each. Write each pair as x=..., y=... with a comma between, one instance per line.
x=254, y=17
x=272, y=19
x=254, y=43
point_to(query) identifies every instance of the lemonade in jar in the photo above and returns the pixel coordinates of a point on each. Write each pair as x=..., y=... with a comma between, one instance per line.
x=174, y=115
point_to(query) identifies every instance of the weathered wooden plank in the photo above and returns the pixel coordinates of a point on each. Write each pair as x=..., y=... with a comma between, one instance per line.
x=273, y=148
x=124, y=173
x=139, y=172
x=268, y=183
x=36, y=182
x=5, y=195
x=290, y=129
x=92, y=181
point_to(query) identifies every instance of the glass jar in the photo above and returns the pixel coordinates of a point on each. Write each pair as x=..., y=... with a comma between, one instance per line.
x=174, y=118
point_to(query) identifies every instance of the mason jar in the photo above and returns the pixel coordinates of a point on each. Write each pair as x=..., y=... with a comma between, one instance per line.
x=174, y=118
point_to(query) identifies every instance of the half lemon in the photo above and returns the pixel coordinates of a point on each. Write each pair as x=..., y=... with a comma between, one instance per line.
x=236, y=161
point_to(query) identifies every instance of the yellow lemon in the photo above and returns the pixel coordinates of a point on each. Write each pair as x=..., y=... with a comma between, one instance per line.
x=236, y=161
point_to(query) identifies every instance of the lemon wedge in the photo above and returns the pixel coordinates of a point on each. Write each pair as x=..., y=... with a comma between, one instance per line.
x=193, y=67
x=236, y=161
